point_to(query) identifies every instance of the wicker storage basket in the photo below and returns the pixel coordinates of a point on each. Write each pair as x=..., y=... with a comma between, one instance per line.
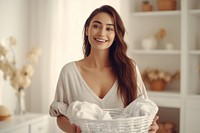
x=120, y=125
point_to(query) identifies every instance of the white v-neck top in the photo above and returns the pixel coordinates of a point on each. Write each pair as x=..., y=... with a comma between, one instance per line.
x=72, y=87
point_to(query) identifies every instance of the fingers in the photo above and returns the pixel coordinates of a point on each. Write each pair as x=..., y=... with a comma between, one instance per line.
x=154, y=126
x=78, y=129
x=156, y=118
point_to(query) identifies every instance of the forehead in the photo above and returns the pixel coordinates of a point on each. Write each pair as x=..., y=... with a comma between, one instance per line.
x=104, y=18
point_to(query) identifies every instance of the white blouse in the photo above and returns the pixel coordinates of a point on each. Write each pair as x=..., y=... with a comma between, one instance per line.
x=72, y=87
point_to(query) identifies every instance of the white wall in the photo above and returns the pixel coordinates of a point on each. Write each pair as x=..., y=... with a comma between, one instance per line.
x=14, y=22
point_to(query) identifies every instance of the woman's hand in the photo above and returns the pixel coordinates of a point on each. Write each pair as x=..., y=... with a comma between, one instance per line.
x=154, y=126
x=74, y=129
x=66, y=126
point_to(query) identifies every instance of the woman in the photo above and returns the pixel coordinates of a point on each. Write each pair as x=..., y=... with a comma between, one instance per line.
x=105, y=76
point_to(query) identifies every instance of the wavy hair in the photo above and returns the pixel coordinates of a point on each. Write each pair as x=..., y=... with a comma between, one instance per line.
x=123, y=66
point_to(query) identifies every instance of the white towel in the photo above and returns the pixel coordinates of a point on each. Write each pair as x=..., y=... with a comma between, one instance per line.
x=86, y=110
x=140, y=107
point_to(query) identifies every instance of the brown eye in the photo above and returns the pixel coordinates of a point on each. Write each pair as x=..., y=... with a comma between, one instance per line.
x=110, y=29
x=96, y=26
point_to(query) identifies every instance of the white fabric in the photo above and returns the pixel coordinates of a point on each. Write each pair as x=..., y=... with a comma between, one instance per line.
x=72, y=87
x=86, y=110
x=140, y=107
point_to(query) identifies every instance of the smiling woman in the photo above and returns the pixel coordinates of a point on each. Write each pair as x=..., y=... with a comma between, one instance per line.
x=106, y=76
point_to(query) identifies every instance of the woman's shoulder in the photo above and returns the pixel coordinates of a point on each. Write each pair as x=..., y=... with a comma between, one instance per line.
x=68, y=67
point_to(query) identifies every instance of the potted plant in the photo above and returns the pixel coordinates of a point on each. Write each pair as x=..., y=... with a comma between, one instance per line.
x=157, y=79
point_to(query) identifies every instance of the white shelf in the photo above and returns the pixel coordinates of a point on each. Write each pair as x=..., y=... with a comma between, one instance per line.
x=166, y=99
x=28, y=123
x=195, y=12
x=182, y=28
x=156, y=52
x=194, y=52
x=194, y=96
x=156, y=13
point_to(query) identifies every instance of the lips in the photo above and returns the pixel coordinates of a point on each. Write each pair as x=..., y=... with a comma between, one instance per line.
x=101, y=40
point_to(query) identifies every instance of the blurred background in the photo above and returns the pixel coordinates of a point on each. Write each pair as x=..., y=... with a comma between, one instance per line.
x=163, y=36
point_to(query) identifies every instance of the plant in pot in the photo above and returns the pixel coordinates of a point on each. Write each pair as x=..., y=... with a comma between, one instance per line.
x=157, y=79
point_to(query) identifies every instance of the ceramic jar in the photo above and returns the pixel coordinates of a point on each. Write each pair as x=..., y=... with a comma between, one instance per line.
x=149, y=43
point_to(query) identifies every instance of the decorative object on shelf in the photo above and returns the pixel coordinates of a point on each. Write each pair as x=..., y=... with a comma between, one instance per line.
x=20, y=78
x=20, y=108
x=146, y=6
x=164, y=5
x=149, y=43
x=169, y=46
x=157, y=85
x=157, y=79
x=160, y=35
x=166, y=127
x=4, y=113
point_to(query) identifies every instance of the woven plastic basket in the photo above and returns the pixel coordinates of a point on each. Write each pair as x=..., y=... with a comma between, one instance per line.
x=120, y=125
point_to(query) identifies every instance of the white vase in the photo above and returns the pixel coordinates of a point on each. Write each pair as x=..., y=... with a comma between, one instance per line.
x=169, y=46
x=149, y=43
x=20, y=105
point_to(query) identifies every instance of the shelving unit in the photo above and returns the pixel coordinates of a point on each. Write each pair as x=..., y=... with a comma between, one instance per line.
x=179, y=102
x=192, y=100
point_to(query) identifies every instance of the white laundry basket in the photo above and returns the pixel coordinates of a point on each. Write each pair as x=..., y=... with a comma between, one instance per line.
x=116, y=125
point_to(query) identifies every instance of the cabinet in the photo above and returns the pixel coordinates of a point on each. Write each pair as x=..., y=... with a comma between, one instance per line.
x=180, y=100
x=28, y=123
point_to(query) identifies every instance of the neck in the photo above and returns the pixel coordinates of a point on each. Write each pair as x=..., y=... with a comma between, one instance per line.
x=99, y=59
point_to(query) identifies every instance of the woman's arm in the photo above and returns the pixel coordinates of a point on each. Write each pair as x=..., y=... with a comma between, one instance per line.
x=64, y=125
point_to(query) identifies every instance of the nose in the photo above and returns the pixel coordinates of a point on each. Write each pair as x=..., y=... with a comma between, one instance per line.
x=102, y=31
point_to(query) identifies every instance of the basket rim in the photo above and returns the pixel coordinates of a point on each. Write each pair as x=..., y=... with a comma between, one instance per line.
x=126, y=118
x=115, y=119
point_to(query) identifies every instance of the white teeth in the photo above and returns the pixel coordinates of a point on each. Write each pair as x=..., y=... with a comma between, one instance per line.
x=101, y=40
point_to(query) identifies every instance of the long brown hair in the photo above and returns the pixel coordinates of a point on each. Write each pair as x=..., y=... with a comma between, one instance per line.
x=123, y=66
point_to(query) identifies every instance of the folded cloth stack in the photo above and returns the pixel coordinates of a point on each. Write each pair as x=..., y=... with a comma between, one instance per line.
x=84, y=110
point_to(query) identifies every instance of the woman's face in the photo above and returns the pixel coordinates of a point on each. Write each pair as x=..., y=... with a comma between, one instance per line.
x=101, y=32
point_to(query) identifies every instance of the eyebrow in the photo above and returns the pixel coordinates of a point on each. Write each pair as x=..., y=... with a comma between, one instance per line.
x=101, y=23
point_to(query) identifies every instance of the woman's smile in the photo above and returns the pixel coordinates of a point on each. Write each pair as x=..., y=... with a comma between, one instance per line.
x=100, y=40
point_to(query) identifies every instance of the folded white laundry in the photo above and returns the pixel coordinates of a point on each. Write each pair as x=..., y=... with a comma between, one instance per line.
x=86, y=110
x=140, y=107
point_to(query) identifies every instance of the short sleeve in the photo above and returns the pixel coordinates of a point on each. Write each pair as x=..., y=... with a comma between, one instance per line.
x=60, y=104
x=140, y=84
